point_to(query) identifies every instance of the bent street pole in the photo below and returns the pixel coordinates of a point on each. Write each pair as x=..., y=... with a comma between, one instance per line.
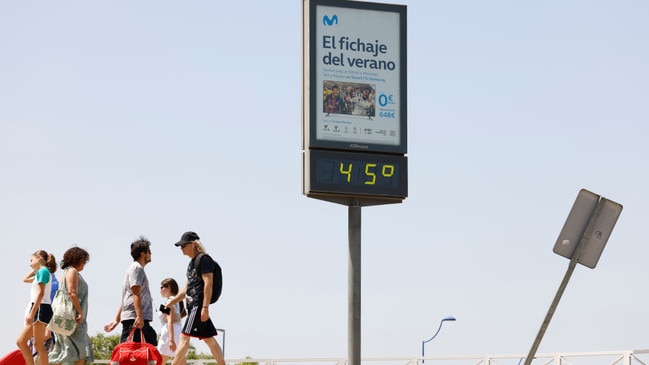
x=571, y=268
x=553, y=308
x=354, y=286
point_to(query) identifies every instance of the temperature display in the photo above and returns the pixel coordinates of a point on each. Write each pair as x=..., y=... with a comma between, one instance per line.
x=358, y=173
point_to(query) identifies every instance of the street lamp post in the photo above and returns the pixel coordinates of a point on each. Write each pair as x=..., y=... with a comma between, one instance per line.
x=449, y=318
x=223, y=341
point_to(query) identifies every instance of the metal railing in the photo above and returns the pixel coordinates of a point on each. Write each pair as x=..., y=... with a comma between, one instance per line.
x=635, y=357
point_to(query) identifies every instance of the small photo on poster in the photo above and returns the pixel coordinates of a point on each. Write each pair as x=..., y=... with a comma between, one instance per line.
x=350, y=98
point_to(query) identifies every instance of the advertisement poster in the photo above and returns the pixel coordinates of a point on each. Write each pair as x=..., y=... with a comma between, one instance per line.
x=359, y=79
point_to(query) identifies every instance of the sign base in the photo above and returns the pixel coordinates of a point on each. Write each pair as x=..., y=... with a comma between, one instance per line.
x=355, y=200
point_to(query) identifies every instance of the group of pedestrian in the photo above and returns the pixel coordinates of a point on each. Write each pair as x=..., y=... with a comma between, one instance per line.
x=135, y=310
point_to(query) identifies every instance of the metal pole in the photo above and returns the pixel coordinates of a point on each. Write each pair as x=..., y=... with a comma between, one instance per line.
x=449, y=318
x=430, y=339
x=553, y=307
x=223, y=341
x=354, y=286
x=571, y=268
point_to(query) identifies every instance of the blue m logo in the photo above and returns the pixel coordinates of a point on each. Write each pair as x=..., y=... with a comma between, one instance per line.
x=330, y=21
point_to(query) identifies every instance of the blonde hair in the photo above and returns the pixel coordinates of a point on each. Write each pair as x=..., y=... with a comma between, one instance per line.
x=199, y=246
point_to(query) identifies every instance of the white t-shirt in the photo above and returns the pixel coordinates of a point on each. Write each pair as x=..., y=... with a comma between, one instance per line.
x=42, y=276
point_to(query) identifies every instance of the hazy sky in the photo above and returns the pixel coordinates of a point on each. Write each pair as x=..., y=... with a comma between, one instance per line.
x=155, y=117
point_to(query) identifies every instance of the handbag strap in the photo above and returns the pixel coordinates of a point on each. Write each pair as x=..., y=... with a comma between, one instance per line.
x=132, y=334
x=63, y=285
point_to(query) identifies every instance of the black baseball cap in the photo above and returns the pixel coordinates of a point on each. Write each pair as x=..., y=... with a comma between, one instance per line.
x=187, y=237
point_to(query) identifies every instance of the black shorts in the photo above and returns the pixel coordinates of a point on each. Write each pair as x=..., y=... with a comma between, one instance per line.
x=43, y=314
x=195, y=328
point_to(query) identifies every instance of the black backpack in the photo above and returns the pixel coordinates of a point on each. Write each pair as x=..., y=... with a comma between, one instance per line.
x=217, y=277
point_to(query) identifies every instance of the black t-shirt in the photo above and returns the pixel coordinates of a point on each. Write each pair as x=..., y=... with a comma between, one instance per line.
x=195, y=283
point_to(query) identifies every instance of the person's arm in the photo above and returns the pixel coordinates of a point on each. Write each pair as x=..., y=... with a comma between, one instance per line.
x=177, y=298
x=111, y=326
x=207, y=295
x=170, y=328
x=29, y=277
x=72, y=283
x=37, y=303
x=137, y=303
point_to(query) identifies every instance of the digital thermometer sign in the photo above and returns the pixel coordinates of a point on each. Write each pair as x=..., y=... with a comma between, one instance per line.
x=354, y=104
x=354, y=173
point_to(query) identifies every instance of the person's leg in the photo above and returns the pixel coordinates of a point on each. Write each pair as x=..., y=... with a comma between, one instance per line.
x=215, y=349
x=49, y=340
x=39, y=341
x=150, y=336
x=21, y=342
x=127, y=325
x=181, y=350
x=165, y=358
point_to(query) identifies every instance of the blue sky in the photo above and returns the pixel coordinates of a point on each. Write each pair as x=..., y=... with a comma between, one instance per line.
x=119, y=119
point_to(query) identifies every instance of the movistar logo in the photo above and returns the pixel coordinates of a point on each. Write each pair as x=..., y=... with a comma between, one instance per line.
x=330, y=21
